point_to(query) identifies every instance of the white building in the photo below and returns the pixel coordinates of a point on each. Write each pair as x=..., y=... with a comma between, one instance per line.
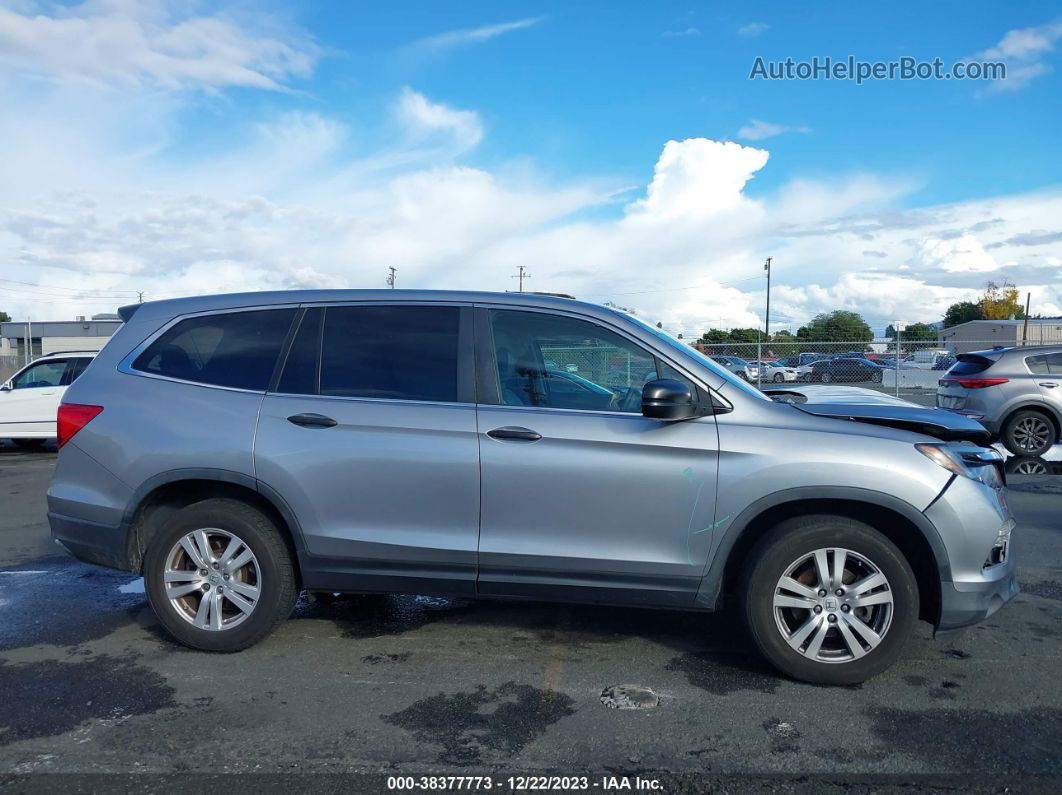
x=979, y=335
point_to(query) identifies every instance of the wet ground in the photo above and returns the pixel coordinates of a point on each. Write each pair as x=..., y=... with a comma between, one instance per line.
x=89, y=684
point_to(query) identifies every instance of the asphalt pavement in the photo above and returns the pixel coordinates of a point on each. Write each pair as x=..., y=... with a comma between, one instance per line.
x=411, y=685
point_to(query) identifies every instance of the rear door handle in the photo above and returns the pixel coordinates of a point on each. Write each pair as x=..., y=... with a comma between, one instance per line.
x=312, y=420
x=515, y=433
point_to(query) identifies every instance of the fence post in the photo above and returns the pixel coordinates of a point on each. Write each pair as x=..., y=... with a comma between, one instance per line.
x=897, y=360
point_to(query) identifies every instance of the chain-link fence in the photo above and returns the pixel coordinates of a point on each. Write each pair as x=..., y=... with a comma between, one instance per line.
x=906, y=369
x=9, y=363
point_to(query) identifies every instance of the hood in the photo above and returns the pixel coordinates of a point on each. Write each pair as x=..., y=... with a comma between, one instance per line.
x=877, y=408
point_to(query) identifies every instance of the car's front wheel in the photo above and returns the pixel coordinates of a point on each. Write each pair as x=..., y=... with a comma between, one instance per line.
x=219, y=575
x=828, y=599
x=779, y=377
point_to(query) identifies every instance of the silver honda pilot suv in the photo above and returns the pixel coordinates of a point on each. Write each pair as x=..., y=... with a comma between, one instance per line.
x=235, y=449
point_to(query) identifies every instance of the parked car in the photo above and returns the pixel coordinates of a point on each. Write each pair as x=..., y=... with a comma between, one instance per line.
x=1015, y=392
x=924, y=360
x=234, y=449
x=774, y=371
x=802, y=364
x=738, y=366
x=29, y=400
x=830, y=370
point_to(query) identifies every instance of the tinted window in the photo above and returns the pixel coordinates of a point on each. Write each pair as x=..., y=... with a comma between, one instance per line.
x=970, y=366
x=43, y=374
x=559, y=362
x=1045, y=364
x=1037, y=365
x=301, y=368
x=396, y=352
x=76, y=368
x=235, y=349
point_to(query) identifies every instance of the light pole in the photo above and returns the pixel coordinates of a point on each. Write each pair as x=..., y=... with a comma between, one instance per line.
x=391, y=277
x=766, y=326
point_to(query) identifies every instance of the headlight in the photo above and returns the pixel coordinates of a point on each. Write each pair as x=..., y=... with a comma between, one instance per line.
x=967, y=460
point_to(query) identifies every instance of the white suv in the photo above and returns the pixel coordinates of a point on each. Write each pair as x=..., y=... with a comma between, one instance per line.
x=29, y=400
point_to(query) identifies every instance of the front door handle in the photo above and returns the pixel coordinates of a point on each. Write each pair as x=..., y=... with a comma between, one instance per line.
x=1050, y=385
x=514, y=433
x=312, y=420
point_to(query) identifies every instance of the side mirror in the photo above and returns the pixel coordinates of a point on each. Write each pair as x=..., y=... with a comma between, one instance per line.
x=6, y=387
x=668, y=400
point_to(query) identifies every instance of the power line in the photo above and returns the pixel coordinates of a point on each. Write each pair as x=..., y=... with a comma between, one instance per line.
x=50, y=287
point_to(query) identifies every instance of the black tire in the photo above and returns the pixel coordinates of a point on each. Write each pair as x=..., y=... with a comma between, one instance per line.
x=826, y=377
x=278, y=582
x=1015, y=433
x=778, y=378
x=802, y=535
x=29, y=444
x=877, y=376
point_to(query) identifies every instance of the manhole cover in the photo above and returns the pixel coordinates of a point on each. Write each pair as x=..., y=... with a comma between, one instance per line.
x=629, y=697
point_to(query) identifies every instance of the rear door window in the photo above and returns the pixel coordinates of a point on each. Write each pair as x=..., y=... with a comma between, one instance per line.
x=232, y=349
x=390, y=352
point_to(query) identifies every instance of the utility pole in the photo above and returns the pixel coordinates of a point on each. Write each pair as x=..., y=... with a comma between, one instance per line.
x=140, y=297
x=391, y=277
x=1025, y=325
x=521, y=275
x=766, y=326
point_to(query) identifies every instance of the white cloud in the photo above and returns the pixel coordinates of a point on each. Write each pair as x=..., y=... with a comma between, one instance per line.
x=1022, y=50
x=424, y=119
x=460, y=38
x=964, y=254
x=753, y=29
x=151, y=44
x=757, y=130
x=681, y=34
x=699, y=177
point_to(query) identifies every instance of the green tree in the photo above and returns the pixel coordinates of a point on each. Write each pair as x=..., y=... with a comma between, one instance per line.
x=914, y=332
x=963, y=312
x=837, y=326
x=745, y=335
x=5, y=317
x=715, y=336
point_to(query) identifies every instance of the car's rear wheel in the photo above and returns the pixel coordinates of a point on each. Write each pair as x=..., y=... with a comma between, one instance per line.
x=826, y=377
x=828, y=599
x=219, y=575
x=779, y=378
x=1029, y=433
x=876, y=376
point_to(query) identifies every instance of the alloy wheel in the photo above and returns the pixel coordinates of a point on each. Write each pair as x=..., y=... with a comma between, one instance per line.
x=833, y=605
x=1032, y=434
x=212, y=579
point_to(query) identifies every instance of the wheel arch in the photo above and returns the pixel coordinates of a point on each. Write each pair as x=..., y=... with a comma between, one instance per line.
x=159, y=497
x=899, y=521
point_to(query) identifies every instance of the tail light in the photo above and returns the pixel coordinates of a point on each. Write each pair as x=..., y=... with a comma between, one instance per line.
x=973, y=383
x=72, y=418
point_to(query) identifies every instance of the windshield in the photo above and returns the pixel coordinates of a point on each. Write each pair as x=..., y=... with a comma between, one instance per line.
x=703, y=360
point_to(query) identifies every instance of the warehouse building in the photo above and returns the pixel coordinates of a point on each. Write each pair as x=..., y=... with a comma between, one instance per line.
x=979, y=335
x=49, y=336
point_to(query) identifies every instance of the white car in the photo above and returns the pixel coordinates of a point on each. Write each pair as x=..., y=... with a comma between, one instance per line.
x=773, y=371
x=29, y=400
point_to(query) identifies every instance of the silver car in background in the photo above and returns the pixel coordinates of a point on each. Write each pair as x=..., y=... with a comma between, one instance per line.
x=236, y=449
x=1014, y=392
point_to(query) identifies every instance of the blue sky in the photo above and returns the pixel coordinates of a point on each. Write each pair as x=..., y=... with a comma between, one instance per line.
x=618, y=150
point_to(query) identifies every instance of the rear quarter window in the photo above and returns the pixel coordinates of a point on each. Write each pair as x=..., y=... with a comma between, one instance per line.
x=232, y=349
